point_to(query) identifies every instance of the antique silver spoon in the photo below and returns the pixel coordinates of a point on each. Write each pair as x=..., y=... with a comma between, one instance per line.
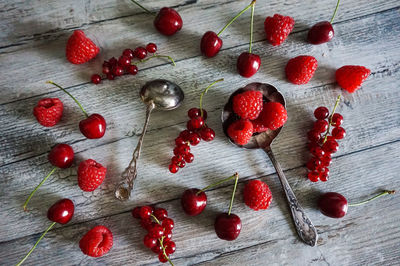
x=304, y=226
x=159, y=93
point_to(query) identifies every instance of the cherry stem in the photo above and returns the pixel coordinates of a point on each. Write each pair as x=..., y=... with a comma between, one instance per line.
x=37, y=242
x=386, y=192
x=142, y=7
x=216, y=183
x=251, y=25
x=233, y=193
x=161, y=240
x=234, y=18
x=38, y=186
x=336, y=9
x=70, y=95
x=330, y=118
x=204, y=92
x=154, y=56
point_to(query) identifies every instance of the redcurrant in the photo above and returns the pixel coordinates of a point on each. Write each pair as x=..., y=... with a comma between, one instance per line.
x=173, y=168
x=330, y=146
x=189, y=157
x=128, y=53
x=313, y=176
x=168, y=224
x=96, y=79
x=194, y=139
x=337, y=119
x=140, y=52
x=321, y=112
x=145, y=212
x=132, y=69
x=338, y=133
x=207, y=134
x=160, y=214
x=151, y=48
x=320, y=126
x=149, y=241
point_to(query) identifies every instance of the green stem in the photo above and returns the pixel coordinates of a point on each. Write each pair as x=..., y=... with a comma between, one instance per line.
x=204, y=92
x=70, y=95
x=155, y=218
x=142, y=7
x=334, y=13
x=233, y=193
x=235, y=17
x=153, y=56
x=38, y=186
x=216, y=183
x=330, y=119
x=37, y=242
x=386, y=192
x=161, y=240
x=251, y=26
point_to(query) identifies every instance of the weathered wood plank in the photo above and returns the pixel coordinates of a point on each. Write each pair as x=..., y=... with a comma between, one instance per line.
x=116, y=35
x=368, y=234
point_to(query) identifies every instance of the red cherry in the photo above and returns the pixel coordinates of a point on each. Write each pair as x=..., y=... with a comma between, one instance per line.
x=149, y=241
x=317, y=151
x=321, y=32
x=333, y=205
x=95, y=78
x=192, y=203
x=248, y=64
x=151, y=48
x=210, y=44
x=61, y=212
x=132, y=69
x=207, y=134
x=128, y=53
x=168, y=21
x=93, y=127
x=140, y=52
x=61, y=155
x=227, y=226
x=184, y=149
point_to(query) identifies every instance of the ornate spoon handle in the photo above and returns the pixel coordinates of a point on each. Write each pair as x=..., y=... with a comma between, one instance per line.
x=304, y=226
x=128, y=177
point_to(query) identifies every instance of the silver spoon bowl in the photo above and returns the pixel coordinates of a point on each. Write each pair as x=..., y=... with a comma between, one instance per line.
x=159, y=93
x=304, y=226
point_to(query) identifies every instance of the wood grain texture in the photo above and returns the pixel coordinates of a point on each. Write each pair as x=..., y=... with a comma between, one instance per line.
x=367, y=33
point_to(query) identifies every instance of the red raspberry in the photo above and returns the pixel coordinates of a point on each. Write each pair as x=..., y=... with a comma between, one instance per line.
x=80, y=48
x=300, y=70
x=240, y=131
x=48, y=111
x=273, y=116
x=248, y=104
x=97, y=242
x=257, y=195
x=350, y=78
x=90, y=175
x=258, y=127
x=277, y=28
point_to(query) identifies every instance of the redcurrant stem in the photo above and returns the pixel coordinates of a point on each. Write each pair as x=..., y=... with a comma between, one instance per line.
x=38, y=186
x=330, y=118
x=386, y=192
x=70, y=95
x=204, y=92
x=154, y=56
x=37, y=242
x=216, y=183
x=233, y=193
x=251, y=25
x=155, y=218
x=142, y=7
x=161, y=240
x=334, y=13
x=235, y=17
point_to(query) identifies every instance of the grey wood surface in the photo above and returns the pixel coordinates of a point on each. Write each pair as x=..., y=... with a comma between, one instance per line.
x=32, y=43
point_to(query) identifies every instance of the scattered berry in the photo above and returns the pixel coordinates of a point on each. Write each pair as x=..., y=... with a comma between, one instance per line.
x=97, y=242
x=80, y=48
x=350, y=78
x=257, y=195
x=300, y=70
x=278, y=28
x=90, y=175
x=48, y=111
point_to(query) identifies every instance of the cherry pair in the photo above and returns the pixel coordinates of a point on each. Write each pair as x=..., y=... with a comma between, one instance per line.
x=159, y=231
x=196, y=130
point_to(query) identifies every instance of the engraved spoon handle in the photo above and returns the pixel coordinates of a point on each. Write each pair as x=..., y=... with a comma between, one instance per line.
x=304, y=226
x=128, y=177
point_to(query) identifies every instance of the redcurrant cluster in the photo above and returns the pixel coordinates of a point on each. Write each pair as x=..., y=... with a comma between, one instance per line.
x=125, y=64
x=196, y=130
x=159, y=230
x=323, y=142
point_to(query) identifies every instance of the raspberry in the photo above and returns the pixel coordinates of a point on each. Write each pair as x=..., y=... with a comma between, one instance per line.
x=240, y=131
x=300, y=70
x=273, y=115
x=48, y=111
x=257, y=195
x=277, y=28
x=90, y=175
x=350, y=78
x=258, y=127
x=97, y=242
x=248, y=104
x=80, y=48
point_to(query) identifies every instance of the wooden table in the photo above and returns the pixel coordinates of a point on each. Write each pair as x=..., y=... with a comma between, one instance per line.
x=33, y=35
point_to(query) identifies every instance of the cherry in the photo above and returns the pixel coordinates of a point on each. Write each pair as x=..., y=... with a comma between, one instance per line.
x=227, y=226
x=168, y=21
x=61, y=156
x=193, y=201
x=248, y=64
x=93, y=127
x=151, y=48
x=207, y=134
x=333, y=205
x=210, y=44
x=321, y=112
x=96, y=79
x=321, y=32
x=60, y=212
x=140, y=52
